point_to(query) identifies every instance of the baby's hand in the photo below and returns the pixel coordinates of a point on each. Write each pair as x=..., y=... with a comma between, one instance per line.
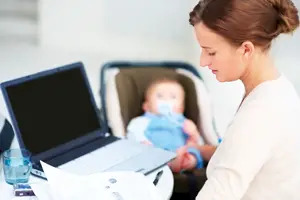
x=190, y=128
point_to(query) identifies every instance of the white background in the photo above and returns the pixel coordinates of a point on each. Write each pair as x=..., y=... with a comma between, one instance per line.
x=97, y=31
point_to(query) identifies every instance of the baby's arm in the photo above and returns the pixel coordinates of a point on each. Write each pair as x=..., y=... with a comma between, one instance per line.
x=191, y=130
x=136, y=130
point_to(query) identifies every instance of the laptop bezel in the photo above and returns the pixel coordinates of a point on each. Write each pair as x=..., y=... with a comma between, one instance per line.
x=101, y=133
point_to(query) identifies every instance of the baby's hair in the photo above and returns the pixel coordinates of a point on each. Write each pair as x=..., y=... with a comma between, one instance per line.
x=159, y=81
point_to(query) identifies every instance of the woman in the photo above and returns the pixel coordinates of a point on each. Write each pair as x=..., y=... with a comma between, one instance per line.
x=259, y=157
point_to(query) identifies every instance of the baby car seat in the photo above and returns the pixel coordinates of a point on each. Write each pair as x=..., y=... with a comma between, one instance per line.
x=122, y=87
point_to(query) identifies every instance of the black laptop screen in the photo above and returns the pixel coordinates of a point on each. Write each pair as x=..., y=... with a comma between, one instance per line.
x=53, y=109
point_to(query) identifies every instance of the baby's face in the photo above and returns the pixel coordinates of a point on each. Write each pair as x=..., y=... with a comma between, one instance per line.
x=166, y=91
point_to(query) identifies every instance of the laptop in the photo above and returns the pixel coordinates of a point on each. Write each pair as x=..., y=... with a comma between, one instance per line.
x=55, y=117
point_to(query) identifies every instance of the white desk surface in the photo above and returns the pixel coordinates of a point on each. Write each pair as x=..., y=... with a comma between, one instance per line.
x=165, y=184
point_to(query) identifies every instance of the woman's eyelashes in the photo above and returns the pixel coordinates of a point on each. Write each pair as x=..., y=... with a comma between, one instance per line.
x=212, y=54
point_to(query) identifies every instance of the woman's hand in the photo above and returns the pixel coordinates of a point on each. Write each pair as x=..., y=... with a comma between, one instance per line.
x=189, y=162
x=176, y=164
x=183, y=161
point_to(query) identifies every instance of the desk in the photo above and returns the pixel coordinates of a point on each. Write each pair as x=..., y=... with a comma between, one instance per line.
x=165, y=184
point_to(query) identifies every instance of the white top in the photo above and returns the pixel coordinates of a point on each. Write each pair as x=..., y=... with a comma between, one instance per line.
x=136, y=128
x=259, y=158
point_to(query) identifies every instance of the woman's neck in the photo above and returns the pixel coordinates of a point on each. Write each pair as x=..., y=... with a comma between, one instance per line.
x=260, y=70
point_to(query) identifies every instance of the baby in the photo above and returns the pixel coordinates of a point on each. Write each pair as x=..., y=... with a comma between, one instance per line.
x=163, y=124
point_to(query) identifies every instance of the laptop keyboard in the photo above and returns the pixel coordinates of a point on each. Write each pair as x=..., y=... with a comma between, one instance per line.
x=81, y=151
x=104, y=157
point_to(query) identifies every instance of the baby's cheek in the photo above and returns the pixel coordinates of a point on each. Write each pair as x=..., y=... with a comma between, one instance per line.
x=178, y=109
x=154, y=109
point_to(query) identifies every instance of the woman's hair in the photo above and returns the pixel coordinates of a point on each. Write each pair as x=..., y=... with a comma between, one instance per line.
x=258, y=21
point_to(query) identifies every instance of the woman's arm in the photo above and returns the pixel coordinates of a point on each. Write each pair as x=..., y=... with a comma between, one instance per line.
x=246, y=147
x=206, y=150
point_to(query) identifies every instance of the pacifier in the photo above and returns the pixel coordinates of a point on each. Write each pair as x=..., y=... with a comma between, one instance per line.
x=165, y=108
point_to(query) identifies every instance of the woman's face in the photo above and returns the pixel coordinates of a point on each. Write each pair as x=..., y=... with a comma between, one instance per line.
x=222, y=58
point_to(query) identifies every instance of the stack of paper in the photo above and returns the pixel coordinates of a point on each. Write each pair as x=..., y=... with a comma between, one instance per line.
x=62, y=185
x=6, y=191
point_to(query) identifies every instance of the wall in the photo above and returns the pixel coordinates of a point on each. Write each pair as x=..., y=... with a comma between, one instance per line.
x=143, y=29
x=132, y=29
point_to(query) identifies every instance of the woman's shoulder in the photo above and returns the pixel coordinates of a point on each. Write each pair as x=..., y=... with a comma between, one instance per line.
x=270, y=114
x=275, y=96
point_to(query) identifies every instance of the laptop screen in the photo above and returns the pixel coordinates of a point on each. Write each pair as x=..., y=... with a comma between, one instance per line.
x=53, y=109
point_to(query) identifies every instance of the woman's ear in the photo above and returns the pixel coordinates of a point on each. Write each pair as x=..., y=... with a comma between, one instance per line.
x=246, y=50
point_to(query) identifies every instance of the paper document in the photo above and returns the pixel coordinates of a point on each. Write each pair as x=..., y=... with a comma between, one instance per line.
x=123, y=185
x=6, y=191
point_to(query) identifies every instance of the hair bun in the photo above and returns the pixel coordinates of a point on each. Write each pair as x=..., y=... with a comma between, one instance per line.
x=288, y=19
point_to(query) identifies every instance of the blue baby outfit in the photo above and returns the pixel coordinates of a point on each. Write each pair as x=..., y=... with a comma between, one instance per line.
x=166, y=132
